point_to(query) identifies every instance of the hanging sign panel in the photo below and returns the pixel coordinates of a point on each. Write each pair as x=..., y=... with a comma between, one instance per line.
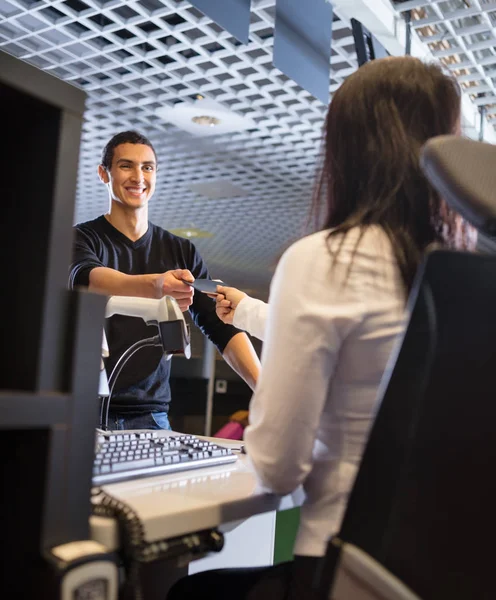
x=232, y=15
x=302, y=44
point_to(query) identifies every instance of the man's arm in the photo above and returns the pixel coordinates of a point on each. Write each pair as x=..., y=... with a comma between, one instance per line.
x=242, y=358
x=235, y=346
x=114, y=283
x=88, y=270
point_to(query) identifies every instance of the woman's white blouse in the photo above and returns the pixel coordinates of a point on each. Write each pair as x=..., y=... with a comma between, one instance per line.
x=328, y=331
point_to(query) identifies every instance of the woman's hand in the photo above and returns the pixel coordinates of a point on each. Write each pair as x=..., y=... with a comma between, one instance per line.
x=227, y=301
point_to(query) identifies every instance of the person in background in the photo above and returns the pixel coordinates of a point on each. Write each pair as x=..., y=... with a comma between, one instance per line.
x=337, y=307
x=122, y=253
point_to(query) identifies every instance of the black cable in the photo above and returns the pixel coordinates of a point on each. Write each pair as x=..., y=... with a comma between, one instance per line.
x=408, y=42
x=131, y=536
x=104, y=411
x=135, y=550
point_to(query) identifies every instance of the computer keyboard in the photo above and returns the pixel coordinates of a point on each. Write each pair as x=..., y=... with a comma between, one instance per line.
x=132, y=454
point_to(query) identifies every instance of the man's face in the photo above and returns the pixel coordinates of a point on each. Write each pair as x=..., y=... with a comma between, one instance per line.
x=132, y=176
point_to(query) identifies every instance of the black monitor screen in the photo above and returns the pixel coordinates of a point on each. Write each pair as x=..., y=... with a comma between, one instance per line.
x=378, y=48
x=367, y=45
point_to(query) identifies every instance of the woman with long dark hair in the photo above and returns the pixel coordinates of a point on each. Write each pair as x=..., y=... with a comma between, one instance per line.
x=337, y=305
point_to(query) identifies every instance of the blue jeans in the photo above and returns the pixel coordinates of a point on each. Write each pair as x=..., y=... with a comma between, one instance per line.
x=154, y=420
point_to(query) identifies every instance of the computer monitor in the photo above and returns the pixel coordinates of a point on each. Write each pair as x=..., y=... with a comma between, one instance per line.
x=367, y=45
x=51, y=337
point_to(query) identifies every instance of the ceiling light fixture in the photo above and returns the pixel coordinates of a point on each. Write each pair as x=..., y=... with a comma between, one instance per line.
x=204, y=117
x=191, y=232
x=206, y=121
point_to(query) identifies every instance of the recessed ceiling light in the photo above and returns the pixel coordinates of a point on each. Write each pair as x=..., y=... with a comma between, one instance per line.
x=203, y=117
x=191, y=232
x=206, y=120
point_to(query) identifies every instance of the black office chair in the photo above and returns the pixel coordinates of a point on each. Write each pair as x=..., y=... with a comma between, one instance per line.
x=464, y=172
x=422, y=507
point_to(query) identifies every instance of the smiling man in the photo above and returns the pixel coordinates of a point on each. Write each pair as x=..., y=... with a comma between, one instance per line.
x=121, y=253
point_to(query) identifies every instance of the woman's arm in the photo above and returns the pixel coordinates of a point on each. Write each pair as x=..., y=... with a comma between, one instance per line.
x=244, y=312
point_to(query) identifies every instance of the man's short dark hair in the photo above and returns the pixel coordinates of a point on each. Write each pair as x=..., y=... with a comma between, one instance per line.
x=125, y=137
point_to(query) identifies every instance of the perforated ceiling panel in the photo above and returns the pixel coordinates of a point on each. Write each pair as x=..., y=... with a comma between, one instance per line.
x=133, y=57
x=462, y=34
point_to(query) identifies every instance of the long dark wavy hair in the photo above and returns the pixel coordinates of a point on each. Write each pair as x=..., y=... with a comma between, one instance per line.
x=377, y=122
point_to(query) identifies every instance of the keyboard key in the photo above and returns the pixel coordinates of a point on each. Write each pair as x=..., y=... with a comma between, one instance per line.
x=133, y=464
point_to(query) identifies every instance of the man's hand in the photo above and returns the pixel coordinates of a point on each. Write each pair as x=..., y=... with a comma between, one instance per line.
x=227, y=302
x=170, y=284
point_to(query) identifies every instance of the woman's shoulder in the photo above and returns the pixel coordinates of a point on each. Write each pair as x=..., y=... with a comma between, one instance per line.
x=309, y=242
x=372, y=237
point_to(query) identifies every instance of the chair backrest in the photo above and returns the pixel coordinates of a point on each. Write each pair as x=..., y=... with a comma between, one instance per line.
x=486, y=244
x=424, y=500
x=464, y=172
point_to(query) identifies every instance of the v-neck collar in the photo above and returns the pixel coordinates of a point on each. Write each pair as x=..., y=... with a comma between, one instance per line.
x=123, y=238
